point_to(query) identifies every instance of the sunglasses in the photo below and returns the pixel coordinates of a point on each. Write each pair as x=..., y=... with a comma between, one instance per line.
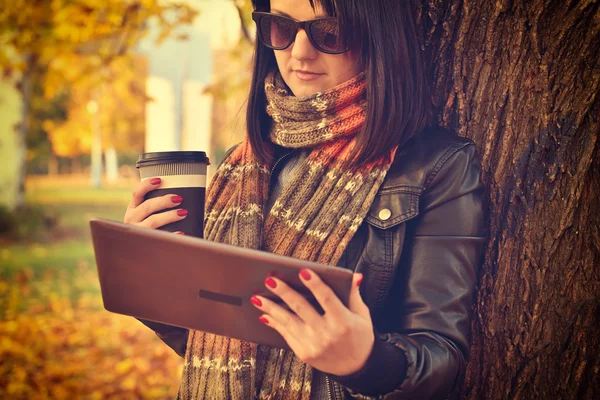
x=278, y=32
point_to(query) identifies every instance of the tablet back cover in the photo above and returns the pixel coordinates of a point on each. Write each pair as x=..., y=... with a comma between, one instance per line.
x=195, y=283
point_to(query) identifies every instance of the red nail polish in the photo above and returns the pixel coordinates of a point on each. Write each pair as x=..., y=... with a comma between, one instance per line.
x=156, y=181
x=176, y=199
x=256, y=301
x=179, y=233
x=305, y=275
x=270, y=282
x=264, y=320
x=182, y=212
x=359, y=281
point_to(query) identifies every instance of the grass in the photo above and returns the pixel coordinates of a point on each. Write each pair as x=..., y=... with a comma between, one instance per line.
x=69, y=242
x=56, y=339
x=38, y=257
x=81, y=196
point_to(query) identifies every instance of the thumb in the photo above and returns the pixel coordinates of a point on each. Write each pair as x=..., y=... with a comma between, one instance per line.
x=356, y=303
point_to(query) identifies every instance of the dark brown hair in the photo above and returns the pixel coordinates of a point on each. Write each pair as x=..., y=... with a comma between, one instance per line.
x=384, y=33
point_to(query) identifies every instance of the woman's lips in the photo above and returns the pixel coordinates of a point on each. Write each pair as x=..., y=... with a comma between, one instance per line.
x=306, y=76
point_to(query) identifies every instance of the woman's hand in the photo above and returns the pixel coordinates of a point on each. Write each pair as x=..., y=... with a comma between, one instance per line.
x=139, y=212
x=338, y=342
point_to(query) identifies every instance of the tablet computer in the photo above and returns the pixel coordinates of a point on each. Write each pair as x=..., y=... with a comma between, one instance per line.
x=195, y=283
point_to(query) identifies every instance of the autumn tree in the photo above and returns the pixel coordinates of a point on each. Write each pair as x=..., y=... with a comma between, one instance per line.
x=119, y=102
x=522, y=79
x=46, y=35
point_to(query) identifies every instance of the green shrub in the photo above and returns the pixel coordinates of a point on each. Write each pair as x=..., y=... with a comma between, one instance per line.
x=27, y=222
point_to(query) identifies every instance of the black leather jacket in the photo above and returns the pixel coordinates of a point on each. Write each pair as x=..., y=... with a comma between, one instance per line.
x=419, y=249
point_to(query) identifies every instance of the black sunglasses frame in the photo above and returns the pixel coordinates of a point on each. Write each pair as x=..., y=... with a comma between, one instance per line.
x=306, y=25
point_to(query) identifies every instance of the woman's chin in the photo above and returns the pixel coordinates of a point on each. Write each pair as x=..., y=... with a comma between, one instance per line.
x=305, y=90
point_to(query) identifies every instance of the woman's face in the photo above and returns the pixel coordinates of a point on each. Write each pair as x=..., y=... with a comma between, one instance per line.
x=305, y=69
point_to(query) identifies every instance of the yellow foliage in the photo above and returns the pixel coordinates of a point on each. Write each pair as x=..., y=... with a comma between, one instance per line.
x=119, y=112
x=87, y=46
x=66, y=346
x=53, y=29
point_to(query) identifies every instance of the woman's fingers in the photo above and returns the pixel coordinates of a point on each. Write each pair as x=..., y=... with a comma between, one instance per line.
x=141, y=189
x=146, y=212
x=356, y=303
x=151, y=206
x=292, y=341
x=284, y=318
x=326, y=297
x=164, y=218
x=294, y=300
x=155, y=205
x=293, y=329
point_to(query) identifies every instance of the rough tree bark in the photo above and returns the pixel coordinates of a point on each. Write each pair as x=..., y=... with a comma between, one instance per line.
x=522, y=78
x=26, y=89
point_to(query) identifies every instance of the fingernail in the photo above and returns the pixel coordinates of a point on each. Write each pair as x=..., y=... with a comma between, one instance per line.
x=359, y=281
x=182, y=212
x=179, y=233
x=256, y=301
x=156, y=181
x=264, y=320
x=305, y=275
x=176, y=199
x=270, y=282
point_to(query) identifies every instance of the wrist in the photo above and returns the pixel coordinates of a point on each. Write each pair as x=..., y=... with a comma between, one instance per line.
x=382, y=372
x=362, y=360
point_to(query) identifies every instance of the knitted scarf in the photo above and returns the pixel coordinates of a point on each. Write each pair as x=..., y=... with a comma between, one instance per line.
x=314, y=218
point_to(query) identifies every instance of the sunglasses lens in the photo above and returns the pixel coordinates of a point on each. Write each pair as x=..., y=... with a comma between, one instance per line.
x=276, y=32
x=326, y=34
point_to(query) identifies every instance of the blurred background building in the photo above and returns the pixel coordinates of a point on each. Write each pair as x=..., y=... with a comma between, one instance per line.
x=180, y=114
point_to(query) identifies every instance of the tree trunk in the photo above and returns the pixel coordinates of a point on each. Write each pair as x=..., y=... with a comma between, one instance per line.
x=52, y=165
x=11, y=143
x=96, y=147
x=522, y=78
x=112, y=165
x=26, y=89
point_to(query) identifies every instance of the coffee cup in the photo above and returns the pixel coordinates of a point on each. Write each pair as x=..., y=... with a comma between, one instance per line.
x=182, y=173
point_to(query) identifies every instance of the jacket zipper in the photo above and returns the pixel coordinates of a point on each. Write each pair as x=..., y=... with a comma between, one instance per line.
x=275, y=166
x=279, y=159
x=329, y=390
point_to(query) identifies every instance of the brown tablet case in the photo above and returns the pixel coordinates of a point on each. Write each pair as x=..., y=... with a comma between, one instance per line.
x=195, y=283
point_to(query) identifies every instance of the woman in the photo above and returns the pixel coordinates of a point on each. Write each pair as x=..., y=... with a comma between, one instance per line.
x=339, y=167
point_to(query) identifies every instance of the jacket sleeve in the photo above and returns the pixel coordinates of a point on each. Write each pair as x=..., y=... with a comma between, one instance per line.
x=175, y=337
x=426, y=356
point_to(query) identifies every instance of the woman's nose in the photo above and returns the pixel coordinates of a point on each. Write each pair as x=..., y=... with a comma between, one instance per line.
x=302, y=49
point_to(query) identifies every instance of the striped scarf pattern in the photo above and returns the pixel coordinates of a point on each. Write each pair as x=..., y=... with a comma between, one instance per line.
x=314, y=218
